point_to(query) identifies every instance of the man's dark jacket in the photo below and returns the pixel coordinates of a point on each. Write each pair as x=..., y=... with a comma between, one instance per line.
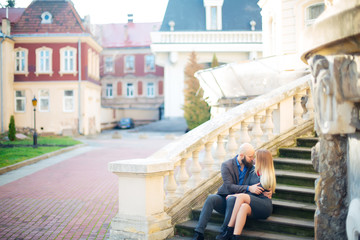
x=230, y=176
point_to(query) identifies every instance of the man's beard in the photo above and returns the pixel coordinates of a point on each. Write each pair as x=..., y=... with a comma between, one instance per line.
x=247, y=164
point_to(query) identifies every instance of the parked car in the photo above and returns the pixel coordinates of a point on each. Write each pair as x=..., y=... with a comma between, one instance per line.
x=126, y=123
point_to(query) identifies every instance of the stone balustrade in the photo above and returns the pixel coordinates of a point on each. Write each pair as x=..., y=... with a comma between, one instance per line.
x=154, y=189
x=207, y=37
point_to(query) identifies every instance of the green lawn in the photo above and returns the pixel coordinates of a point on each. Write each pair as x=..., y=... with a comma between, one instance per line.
x=12, y=155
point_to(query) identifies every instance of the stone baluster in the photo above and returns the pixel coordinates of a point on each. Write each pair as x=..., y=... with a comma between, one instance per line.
x=170, y=188
x=208, y=160
x=244, y=136
x=298, y=110
x=182, y=177
x=232, y=146
x=310, y=105
x=257, y=131
x=269, y=125
x=220, y=150
x=195, y=169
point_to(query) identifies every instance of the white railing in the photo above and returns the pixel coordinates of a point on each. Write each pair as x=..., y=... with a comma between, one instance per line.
x=206, y=37
x=149, y=188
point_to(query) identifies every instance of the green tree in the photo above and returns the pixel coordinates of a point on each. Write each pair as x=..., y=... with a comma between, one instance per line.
x=215, y=61
x=10, y=3
x=12, y=130
x=196, y=110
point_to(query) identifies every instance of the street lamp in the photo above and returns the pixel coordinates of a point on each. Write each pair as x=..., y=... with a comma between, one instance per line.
x=34, y=103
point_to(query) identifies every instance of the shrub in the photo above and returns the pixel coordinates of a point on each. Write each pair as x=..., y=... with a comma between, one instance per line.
x=12, y=130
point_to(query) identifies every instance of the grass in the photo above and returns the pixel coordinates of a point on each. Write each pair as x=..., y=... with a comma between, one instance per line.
x=16, y=154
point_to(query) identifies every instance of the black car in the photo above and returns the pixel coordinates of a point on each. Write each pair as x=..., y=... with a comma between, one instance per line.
x=126, y=123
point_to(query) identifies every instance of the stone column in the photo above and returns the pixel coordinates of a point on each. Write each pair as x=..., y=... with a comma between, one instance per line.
x=331, y=187
x=334, y=120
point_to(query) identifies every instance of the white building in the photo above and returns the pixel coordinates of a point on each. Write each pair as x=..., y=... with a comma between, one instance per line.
x=229, y=28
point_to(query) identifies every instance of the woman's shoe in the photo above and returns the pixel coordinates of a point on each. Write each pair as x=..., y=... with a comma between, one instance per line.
x=228, y=234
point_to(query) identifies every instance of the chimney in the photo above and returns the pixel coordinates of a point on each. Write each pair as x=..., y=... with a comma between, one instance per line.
x=5, y=26
x=126, y=33
x=130, y=18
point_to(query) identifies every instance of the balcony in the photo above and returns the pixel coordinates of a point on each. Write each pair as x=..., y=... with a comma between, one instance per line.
x=240, y=41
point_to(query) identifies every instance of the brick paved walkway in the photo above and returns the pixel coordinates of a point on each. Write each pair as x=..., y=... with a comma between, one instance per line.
x=72, y=199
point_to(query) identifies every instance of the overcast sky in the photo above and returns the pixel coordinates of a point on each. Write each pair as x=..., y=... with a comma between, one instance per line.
x=114, y=11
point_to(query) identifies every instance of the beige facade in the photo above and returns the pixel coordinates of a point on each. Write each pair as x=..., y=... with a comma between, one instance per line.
x=60, y=119
x=7, y=79
x=284, y=23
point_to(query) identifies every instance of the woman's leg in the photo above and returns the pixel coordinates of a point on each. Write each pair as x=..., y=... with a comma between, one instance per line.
x=240, y=199
x=244, y=211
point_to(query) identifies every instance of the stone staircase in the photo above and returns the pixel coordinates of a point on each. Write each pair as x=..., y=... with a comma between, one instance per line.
x=293, y=202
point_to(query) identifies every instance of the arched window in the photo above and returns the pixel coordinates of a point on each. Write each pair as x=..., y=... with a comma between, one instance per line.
x=313, y=12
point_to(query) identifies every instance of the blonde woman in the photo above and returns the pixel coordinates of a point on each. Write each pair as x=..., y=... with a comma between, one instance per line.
x=252, y=205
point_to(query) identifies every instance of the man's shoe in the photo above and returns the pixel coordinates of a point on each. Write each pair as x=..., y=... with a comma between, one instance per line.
x=227, y=235
x=198, y=236
x=219, y=237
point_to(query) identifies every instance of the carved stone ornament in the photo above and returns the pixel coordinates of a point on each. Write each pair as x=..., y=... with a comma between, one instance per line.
x=335, y=85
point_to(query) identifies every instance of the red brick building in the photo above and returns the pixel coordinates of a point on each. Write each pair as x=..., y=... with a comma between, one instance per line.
x=56, y=59
x=131, y=81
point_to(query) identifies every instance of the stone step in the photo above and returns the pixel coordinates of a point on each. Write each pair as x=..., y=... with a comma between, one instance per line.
x=293, y=209
x=295, y=152
x=271, y=228
x=296, y=178
x=308, y=142
x=294, y=193
x=294, y=164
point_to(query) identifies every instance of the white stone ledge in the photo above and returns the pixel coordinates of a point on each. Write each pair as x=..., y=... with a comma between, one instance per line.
x=141, y=166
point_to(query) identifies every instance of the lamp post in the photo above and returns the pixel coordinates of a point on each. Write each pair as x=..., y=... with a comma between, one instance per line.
x=34, y=103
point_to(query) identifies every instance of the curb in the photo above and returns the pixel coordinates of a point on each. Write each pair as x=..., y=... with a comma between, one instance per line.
x=39, y=158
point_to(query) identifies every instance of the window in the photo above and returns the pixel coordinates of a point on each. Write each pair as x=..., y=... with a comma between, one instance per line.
x=90, y=57
x=44, y=61
x=46, y=18
x=19, y=101
x=149, y=63
x=21, y=62
x=44, y=100
x=213, y=18
x=109, y=90
x=129, y=64
x=109, y=64
x=68, y=60
x=93, y=64
x=213, y=11
x=150, y=89
x=313, y=12
x=130, y=90
x=69, y=101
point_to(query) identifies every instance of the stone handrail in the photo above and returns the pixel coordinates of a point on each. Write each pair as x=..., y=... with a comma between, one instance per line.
x=149, y=187
x=207, y=37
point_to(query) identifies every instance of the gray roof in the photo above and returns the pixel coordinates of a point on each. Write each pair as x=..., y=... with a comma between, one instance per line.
x=189, y=15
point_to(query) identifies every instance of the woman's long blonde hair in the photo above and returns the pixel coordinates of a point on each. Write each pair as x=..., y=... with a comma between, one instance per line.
x=265, y=167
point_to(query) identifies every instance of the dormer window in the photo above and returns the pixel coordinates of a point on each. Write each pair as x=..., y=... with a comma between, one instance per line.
x=46, y=18
x=213, y=18
x=213, y=9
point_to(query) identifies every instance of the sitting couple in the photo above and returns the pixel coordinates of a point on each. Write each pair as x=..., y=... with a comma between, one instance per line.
x=246, y=191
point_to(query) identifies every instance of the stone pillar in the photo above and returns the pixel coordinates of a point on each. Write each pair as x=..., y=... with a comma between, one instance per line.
x=334, y=121
x=141, y=214
x=331, y=187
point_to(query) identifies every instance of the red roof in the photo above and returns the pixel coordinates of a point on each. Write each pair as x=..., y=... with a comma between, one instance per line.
x=65, y=19
x=114, y=35
x=14, y=14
